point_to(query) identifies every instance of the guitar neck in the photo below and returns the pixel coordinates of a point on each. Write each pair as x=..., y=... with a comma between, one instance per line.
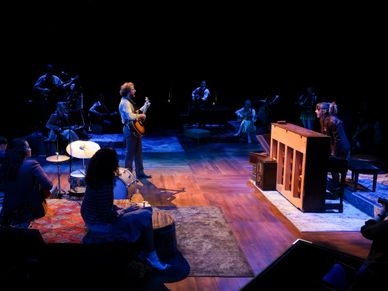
x=146, y=105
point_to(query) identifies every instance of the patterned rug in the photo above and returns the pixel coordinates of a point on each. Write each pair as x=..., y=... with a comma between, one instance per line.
x=203, y=236
x=207, y=242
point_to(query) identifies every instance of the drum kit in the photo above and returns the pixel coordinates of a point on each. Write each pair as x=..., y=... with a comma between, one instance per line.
x=124, y=184
x=57, y=158
x=78, y=149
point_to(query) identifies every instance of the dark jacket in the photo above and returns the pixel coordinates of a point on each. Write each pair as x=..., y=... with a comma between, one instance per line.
x=333, y=127
x=25, y=196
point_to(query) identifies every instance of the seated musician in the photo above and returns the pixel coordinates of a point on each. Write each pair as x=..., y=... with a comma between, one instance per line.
x=200, y=97
x=99, y=114
x=247, y=116
x=61, y=130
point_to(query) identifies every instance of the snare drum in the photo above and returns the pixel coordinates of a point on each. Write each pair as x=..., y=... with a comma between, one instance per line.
x=125, y=184
x=77, y=181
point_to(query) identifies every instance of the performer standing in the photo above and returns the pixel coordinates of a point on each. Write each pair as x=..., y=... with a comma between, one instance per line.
x=51, y=89
x=47, y=88
x=99, y=114
x=306, y=102
x=133, y=140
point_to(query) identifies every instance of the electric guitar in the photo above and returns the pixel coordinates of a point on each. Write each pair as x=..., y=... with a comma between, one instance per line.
x=57, y=90
x=137, y=126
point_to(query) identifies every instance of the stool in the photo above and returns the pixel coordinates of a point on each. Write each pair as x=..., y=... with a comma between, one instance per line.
x=164, y=233
x=361, y=167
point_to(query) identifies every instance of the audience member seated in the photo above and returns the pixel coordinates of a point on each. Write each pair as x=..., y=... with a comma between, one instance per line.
x=26, y=186
x=372, y=274
x=103, y=218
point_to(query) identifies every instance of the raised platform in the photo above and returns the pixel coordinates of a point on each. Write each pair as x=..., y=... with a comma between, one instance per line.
x=151, y=144
x=363, y=197
x=114, y=140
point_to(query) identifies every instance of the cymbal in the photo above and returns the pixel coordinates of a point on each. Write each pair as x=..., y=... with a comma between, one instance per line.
x=57, y=158
x=82, y=149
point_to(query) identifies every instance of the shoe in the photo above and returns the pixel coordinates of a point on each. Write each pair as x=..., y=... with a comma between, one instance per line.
x=153, y=260
x=143, y=176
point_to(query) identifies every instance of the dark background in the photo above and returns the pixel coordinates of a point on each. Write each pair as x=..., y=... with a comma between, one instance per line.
x=242, y=50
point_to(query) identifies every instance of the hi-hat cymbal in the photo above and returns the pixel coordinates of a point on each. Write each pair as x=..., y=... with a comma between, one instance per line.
x=82, y=149
x=57, y=158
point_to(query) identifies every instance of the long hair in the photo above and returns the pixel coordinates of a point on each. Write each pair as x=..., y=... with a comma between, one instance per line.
x=102, y=168
x=14, y=156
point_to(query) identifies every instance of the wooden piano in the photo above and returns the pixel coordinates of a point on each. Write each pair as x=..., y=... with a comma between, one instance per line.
x=302, y=157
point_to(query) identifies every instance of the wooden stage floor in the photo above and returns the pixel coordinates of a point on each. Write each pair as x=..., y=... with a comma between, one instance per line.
x=217, y=173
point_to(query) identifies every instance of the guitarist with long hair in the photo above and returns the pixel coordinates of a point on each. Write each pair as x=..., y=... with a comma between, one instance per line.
x=132, y=119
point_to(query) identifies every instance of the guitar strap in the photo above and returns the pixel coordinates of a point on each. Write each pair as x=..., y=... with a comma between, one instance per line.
x=130, y=123
x=133, y=104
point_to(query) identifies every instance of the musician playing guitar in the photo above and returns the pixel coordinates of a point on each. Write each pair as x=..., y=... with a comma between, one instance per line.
x=132, y=120
x=200, y=94
x=199, y=97
x=247, y=116
x=50, y=89
x=100, y=114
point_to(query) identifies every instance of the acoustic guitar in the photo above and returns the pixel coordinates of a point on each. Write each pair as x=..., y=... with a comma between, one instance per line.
x=137, y=126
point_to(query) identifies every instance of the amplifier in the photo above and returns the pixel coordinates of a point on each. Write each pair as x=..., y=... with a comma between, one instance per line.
x=263, y=171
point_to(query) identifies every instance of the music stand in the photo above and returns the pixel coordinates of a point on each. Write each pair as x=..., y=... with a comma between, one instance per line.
x=58, y=159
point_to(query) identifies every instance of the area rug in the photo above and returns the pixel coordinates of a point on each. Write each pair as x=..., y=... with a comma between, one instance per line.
x=350, y=220
x=206, y=241
x=203, y=236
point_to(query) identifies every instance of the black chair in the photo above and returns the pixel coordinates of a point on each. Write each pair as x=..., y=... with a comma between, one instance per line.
x=339, y=166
